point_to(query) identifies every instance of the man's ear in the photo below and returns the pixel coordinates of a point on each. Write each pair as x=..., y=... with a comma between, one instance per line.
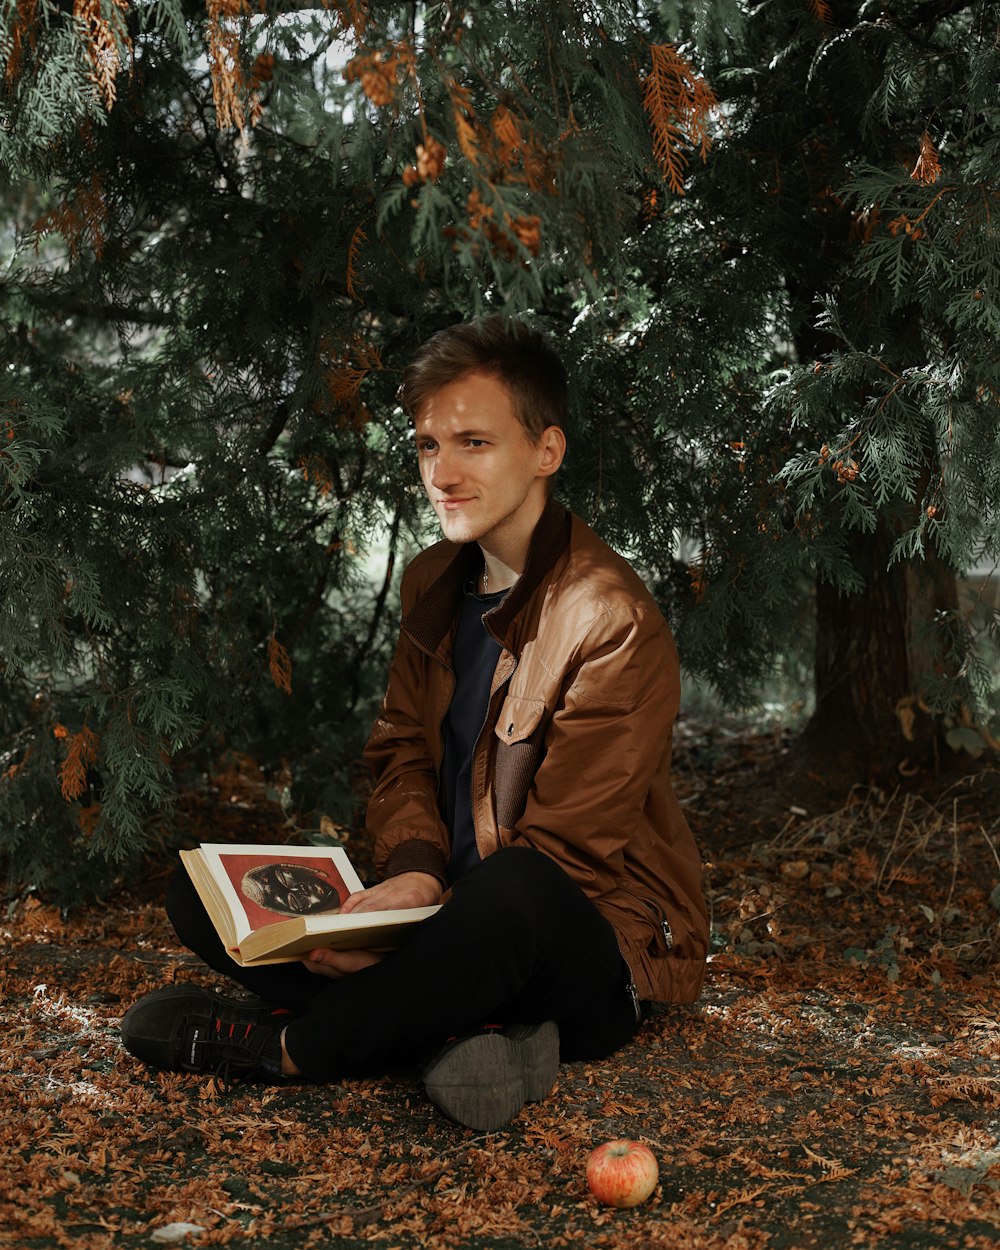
x=552, y=446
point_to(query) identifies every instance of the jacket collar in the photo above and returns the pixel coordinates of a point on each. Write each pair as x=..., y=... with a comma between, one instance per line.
x=430, y=619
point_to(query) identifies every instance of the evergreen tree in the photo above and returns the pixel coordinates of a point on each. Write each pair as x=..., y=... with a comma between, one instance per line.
x=820, y=353
x=230, y=231
x=862, y=161
x=762, y=236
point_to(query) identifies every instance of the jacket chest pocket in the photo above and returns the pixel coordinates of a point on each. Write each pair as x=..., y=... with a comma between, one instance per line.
x=520, y=733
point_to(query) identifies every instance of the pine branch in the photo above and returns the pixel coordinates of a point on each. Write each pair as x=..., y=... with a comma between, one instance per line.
x=318, y=596
x=380, y=602
x=76, y=306
x=274, y=429
x=679, y=103
x=932, y=11
x=210, y=139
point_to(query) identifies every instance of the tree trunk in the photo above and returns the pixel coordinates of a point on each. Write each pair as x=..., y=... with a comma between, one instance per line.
x=875, y=652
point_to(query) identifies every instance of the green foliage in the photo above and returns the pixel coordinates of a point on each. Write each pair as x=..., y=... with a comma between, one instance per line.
x=883, y=956
x=869, y=146
x=216, y=266
x=203, y=464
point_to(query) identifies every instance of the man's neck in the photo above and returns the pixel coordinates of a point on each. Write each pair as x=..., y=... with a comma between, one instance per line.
x=505, y=553
x=498, y=576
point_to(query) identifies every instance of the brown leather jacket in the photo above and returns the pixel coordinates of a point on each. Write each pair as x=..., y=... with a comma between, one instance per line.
x=574, y=756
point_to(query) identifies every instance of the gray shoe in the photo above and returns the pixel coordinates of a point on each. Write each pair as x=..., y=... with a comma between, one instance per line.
x=482, y=1080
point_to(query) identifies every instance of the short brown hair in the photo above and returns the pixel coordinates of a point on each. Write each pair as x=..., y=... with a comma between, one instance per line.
x=517, y=355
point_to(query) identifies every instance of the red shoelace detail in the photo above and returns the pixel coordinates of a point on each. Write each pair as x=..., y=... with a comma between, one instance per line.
x=232, y=1029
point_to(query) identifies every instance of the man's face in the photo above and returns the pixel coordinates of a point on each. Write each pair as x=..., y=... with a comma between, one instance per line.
x=483, y=475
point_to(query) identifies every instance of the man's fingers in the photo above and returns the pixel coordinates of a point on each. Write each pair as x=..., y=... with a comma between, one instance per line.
x=369, y=901
x=322, y=970
x=351, y=902
x=336, y=964
x=408, y=889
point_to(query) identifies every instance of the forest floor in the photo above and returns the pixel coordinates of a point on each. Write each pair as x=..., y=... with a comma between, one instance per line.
x=837, y=1084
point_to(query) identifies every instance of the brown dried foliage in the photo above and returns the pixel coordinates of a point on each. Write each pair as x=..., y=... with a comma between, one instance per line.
x=864, y=223
x=235, y=94
x=353, y=254
x=351, y=365
x=505, y=236
x=927, y=169
x=847, y=469
x=378, y=70
x=431, y=156
x=502, y=152
x=87, y=817
x=473, y=138
x=80, y=754
x=280, y=664
x=353, y=14
x=23, y=32
x=263, y=68
x=82, y=220
x=680, y=105
x=807, y=1100
x=103, y=37
x=316, y=470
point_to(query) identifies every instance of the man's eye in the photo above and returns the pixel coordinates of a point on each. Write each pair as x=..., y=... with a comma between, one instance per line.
x=476, y=442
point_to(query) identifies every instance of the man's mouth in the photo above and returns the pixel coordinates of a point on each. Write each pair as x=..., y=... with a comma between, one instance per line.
x=450, y=505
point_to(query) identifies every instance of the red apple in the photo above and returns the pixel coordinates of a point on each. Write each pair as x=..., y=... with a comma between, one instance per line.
x=622, y=1173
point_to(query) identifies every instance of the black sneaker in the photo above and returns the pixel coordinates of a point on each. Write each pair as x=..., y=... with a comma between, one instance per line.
x=484, y=1079
x=185, y=1028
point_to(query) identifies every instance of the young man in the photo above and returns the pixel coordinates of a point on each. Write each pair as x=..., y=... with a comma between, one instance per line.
x=521, y=762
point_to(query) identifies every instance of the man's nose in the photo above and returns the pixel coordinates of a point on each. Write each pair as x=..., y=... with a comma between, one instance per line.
x=446, y=470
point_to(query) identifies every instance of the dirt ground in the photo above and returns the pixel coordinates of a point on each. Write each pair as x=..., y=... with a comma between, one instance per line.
x=837, y=1084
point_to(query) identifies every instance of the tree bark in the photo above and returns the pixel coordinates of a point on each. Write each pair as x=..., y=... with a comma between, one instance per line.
x=875, y=653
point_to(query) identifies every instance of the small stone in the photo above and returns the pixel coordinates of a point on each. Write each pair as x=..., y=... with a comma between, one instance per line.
x=169, y=1234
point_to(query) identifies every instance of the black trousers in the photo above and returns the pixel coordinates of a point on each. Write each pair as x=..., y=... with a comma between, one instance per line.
x=517, y=942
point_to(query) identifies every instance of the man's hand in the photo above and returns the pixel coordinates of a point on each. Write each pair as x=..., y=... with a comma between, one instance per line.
x=409, y=889
x=337, y=964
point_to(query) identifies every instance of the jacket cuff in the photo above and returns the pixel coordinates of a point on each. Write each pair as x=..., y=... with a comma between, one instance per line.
x=416, y=855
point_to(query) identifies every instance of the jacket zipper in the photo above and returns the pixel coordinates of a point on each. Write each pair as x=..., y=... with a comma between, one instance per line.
x=472, y=781
x=660, y=916
x=633, y=993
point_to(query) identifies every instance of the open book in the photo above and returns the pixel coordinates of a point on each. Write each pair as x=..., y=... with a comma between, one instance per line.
x=274, y=904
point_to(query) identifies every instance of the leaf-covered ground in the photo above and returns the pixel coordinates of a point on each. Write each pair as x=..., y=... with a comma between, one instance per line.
x=837, y=1085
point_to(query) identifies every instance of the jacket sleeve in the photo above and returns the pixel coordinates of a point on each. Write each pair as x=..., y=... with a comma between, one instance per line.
x=403, y=814
x=606, y=748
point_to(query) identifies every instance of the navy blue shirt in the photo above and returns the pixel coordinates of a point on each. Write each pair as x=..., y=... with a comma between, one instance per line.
x=474, y=659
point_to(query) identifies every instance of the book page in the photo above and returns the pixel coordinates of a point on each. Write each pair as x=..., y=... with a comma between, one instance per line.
x=264, y=885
